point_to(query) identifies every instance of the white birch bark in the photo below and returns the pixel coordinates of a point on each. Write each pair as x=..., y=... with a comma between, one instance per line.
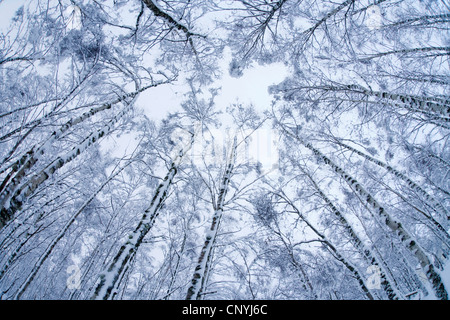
x=433, y=203
x=437, y=108
x=111, y=277
x=197, y=287
x=435, y=105
x=60, y=235
x=16, y=195
x=391, y=291
x=413, y=50
x=23, y=166
x=395, y=226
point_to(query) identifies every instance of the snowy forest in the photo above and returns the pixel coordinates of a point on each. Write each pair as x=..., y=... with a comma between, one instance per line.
x=224, y=149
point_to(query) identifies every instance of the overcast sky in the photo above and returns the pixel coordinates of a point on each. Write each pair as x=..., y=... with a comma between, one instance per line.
x=251, y=88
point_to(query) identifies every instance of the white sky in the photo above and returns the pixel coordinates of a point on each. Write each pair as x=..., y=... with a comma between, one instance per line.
x=251, y=88
x=8, y=9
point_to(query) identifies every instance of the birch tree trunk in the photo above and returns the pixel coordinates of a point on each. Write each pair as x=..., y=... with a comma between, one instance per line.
x=423, y=104
x=433, y=202
x=197, y=287
x=423, y=20
x=18, y=194
x=60, y=235
x=22, y=167
x=111, y=277
x=333, y=249
x=413, y=50
x=395, y=226
x=391, y=291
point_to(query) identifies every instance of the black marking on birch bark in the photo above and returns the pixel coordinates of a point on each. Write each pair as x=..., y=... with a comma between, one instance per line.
x=395, y=226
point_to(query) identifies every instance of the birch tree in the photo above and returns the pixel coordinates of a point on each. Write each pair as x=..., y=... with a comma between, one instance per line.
x=61, y=234
x=391, y=291
x=110, y=279
x=12, y=191
x=409, y=242
x=199, y=279
x=339, y=257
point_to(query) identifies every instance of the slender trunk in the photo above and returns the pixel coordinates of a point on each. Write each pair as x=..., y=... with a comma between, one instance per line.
x=298, y=266
x=311, y=30
x=11, y=153
x=395, y=226
x=432, y=106
x=13, y=255
x=428, y=105
x=263, y=24
x=371, y=258
x=197, y=287
x=159, y=13
x=433, y=202
x=110, y=278
x=404, y=51
x=171, y=21
x=13, y=59
x=60, y=235
x=14, y=196
x=417, y=103
x=330, y=246
x=22, y=166
x=423, y=20
x=175, y=271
